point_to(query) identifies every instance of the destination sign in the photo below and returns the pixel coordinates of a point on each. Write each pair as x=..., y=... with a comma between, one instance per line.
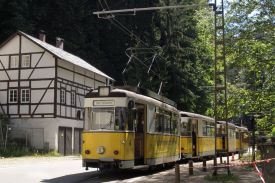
x=104, y=102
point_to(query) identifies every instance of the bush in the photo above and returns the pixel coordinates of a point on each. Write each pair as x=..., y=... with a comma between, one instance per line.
x=273, y=132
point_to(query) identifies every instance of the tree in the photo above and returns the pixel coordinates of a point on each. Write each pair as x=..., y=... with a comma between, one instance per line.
x=250, y=50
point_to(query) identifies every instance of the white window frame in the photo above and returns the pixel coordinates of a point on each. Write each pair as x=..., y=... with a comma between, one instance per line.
x=14, y=61
x=25, y=95
x=62, y=96
x=73, y=100
x=13, y=95
x=26, y=61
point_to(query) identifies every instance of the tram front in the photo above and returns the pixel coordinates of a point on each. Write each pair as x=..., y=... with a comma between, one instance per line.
x=108, y=136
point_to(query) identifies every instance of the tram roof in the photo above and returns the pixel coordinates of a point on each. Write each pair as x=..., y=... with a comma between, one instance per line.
x=138, y=93
x=148, y=93
x=229, y=124
x=242, y=128
x=194, y=115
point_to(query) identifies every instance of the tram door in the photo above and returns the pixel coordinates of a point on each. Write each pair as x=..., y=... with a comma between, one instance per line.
x=139, y=134
x=223, y=141
x=194, y=137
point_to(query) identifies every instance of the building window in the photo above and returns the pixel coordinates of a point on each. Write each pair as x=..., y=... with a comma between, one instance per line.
x=62, y=97
x=26, y=60
x=73, y=98
x=25, y=95
x=13, y=94
x=14, y=62
x=78, y=114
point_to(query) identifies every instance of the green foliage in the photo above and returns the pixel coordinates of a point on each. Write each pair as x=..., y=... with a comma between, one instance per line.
x=4, y=121
x=250, y=54
x=222, y=178
x=15, y=150
x=273, y=132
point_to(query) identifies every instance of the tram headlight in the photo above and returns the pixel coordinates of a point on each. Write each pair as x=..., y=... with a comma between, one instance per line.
x=116, y=152
x=100, y=150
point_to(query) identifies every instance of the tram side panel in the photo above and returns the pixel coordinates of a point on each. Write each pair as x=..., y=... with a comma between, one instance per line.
x=114, y=148
x=205, y=138
x=162, y=140
x=186, y=146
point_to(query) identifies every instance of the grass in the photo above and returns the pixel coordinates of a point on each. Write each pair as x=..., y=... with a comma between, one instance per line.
x=222, y=178
x=15, y=151
x=248, y=157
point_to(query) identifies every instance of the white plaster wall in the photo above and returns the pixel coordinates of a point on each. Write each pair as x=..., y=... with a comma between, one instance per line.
x=24, y=74
x=25, y=83
x=11, y=47
x=89, y=82
x=44, y=109
x=3, y=85
x=36, y=95
x=5, y=62
x=48, y=60
x=29, y=46
x=65, y=64
x=49, y=96
x=3, y=97
x=65, y=74
x=35, y=58
x=13, y=109
x=100, y=78
x=13, y=74
x=3, y=76
x=14, y=84
x=24, y=109
x=41, y=84
x=79, y=79
x=49, y=125
x=43, y=73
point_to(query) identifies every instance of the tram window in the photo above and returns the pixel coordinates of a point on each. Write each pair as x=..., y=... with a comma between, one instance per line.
x=129, y=124
x=166, y=121
x=159, y=122
x=120, y=118
x=103, y=118
x=237, y=135
x=208, y=129
x=174, y=124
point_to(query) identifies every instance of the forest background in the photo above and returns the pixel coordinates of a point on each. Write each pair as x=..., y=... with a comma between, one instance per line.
x=179, y=41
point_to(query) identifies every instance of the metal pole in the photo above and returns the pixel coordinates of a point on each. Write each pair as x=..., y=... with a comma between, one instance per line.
x=253, y=139
x=177, y=173
x=191, y=167
x=134, y=10
x=215, y=95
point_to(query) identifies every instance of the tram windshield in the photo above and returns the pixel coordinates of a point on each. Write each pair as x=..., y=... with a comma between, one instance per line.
x=110, y=118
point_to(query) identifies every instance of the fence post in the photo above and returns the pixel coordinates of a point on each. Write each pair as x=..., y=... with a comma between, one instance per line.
x=177, y=173
x=26, y=143
x=6, y=139
x=204, y=165
x=191, y=167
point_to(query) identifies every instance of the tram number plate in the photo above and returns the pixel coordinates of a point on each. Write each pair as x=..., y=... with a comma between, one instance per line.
x=104, y=103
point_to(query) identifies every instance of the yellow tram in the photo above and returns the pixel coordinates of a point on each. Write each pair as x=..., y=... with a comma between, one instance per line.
x=241, y=139
x=197, y=135
x=128, y=126
x=222, y=137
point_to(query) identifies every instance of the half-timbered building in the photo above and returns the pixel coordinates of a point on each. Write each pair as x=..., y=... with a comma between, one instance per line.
x=42, y=89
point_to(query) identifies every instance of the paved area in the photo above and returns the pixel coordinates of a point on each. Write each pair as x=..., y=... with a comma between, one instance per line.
x=69, y=170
